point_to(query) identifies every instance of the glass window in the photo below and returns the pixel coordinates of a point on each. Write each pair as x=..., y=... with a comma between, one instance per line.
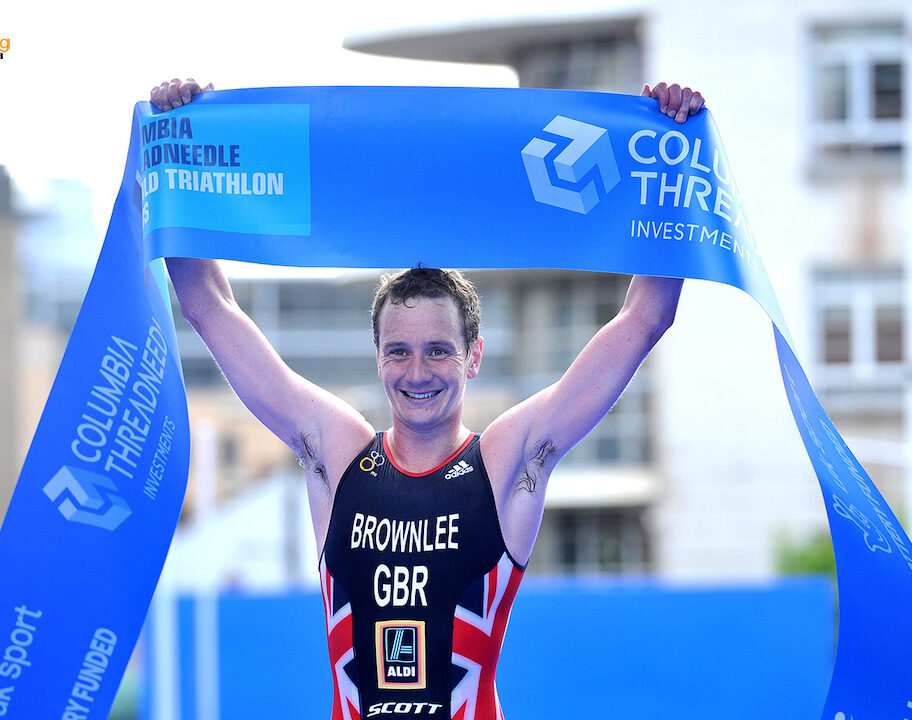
x=858, y=107
x=609, y=547
x=229, y=450
x=201, y=371
x=834, y=92
x=592, y=540
x=608, y=448
x=887, y=85
x=610, y=293
x=837, y=335
x=568, y=545
x=889, y=329
x=860, y=337
x=243, y=295
x=605, y=57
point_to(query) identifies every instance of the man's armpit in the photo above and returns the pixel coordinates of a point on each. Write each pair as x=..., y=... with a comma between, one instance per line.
x=532, y=468
x=307, y=456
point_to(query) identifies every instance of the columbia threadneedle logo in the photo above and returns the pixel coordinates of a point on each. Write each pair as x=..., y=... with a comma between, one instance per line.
x=88, y=498
x=589, y=150
x=460, y=468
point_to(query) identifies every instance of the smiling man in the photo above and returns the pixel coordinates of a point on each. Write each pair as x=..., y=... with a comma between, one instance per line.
x=424, y=529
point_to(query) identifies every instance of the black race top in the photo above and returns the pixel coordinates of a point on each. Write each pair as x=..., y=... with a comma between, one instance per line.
x=417, y=588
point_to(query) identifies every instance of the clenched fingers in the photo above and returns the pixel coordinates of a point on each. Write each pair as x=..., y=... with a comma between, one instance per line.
x=175, y=93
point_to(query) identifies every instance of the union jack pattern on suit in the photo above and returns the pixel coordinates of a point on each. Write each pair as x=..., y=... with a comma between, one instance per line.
x=415, y=631
x=479, y=625
x=337, y=609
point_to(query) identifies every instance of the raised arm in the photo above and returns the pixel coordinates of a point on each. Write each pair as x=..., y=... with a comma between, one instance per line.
x=296, y=410
x=322, y=429
x=523, y=445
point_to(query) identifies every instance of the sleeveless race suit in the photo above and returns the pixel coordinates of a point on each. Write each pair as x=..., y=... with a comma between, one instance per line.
x=417, y=589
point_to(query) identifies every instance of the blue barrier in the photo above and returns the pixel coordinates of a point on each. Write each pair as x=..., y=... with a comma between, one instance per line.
x=635, y=649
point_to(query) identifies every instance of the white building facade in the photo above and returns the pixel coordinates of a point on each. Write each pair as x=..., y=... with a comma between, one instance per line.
x=698, y=472
x=812, y=100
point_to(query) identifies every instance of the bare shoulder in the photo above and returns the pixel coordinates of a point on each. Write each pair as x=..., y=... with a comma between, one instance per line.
x=330, y=434
x=515, y=456
x=519, y=463
x=327, y=438
x=501, y=447
x=327, y=434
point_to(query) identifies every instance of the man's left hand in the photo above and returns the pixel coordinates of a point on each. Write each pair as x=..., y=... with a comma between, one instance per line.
x=675, y=101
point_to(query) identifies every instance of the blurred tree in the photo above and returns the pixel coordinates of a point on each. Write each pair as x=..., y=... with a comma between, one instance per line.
x=126, y=704
x=810, y=556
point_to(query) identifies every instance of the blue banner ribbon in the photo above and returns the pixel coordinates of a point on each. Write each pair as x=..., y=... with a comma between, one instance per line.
x=376, y=178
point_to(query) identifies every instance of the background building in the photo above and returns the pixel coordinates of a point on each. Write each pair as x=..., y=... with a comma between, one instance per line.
x=9, y=347
x=698, y=471
x=534, y=323
x=811, y=98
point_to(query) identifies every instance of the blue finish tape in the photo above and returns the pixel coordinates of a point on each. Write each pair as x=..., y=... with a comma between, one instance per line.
x=375, y=177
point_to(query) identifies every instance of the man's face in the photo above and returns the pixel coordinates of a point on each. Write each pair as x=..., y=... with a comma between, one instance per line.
x=423, y=362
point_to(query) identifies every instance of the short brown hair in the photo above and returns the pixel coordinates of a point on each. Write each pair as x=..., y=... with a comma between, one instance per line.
x=422, y=282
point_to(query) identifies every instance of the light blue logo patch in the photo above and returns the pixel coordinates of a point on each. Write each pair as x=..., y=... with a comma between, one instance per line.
x=91, y=498
x=400, y=644
x=589, y=148
x=243, y=171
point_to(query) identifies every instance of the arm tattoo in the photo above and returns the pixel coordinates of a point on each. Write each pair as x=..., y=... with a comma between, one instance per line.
x=532, y=469
x=307, y=456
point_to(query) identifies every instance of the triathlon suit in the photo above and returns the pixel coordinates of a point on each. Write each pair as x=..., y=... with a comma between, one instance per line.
x=417, y=589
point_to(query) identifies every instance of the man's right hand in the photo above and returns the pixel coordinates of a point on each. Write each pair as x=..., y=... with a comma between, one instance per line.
x=178, y=92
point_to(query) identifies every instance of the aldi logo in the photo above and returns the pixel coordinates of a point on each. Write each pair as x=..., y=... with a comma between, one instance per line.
x=401, y=655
